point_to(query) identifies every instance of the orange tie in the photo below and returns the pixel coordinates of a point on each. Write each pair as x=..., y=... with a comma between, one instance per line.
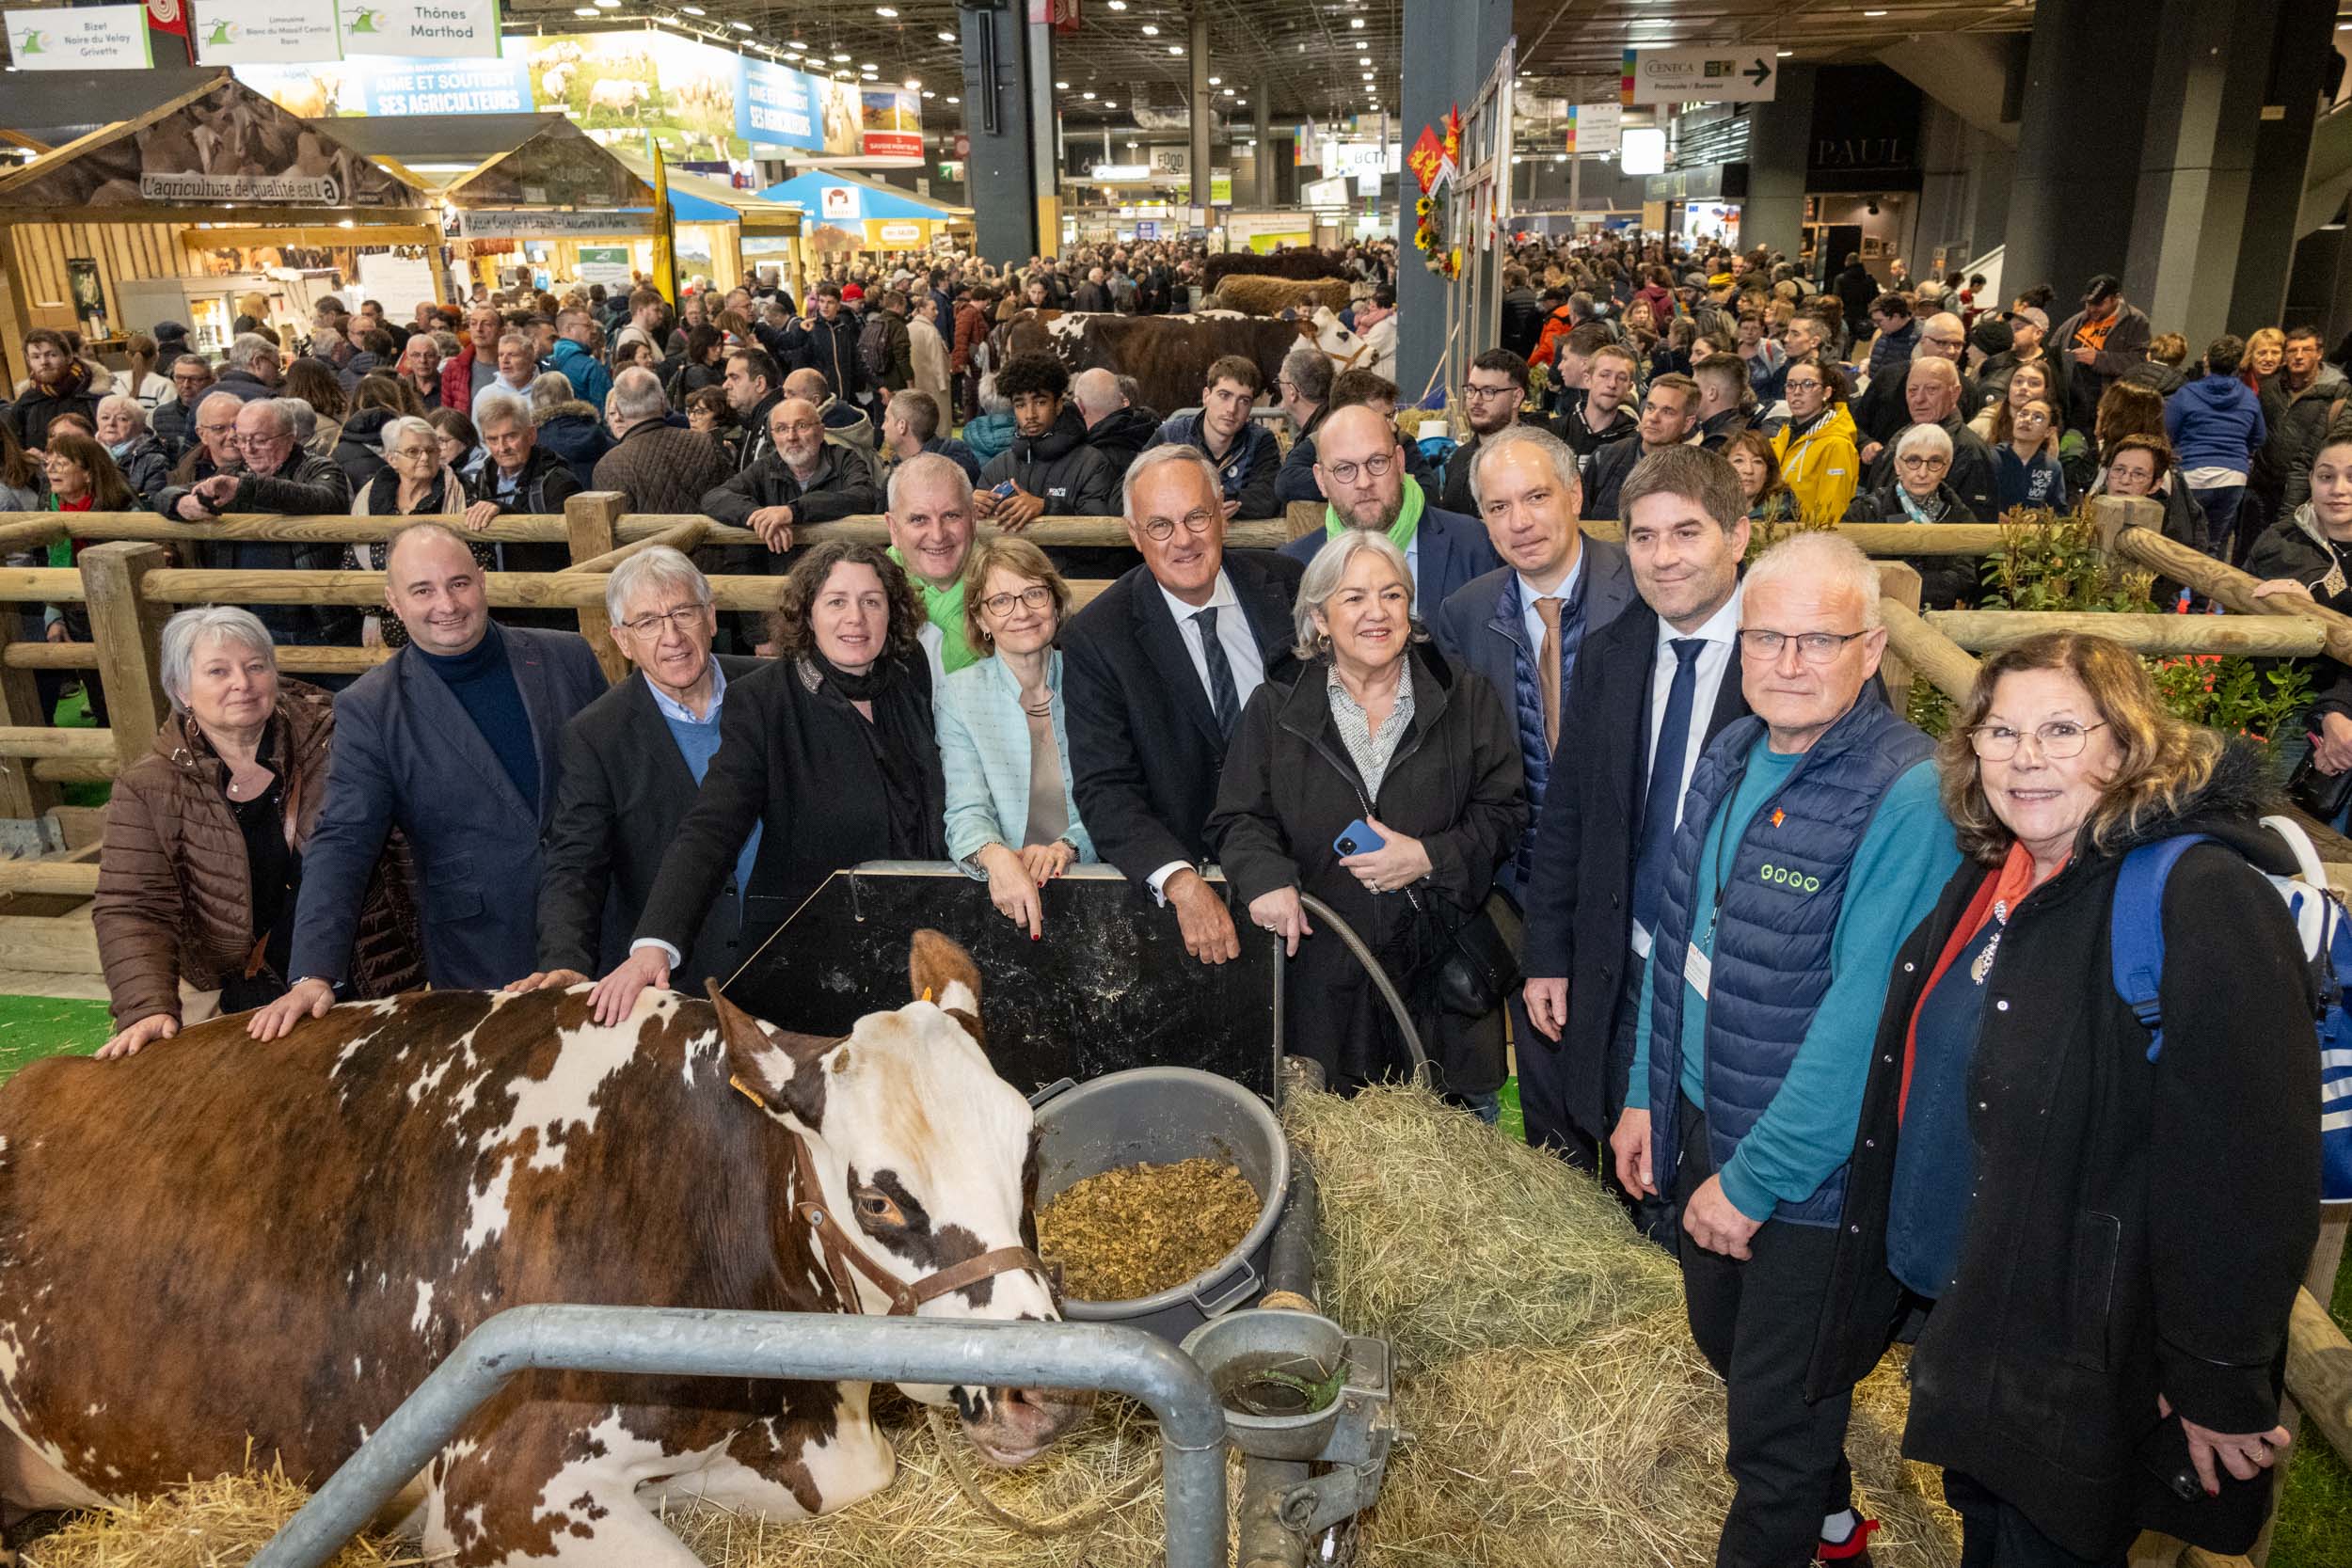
x=1548, y=667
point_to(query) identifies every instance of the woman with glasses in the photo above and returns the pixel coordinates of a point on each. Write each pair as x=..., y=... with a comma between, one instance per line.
x=1817, y=449
x=2108, y=1228
x=1004, y=739
x=415, y=481
x=1922, y=493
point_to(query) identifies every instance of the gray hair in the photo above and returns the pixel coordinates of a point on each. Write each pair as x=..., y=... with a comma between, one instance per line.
x=1096, y=392
x=1159, y=457
x=300, y=414
x=1554, y=451
x=187, y=630
x=497, y=404
x=659, y=568
x=1819, y=559
x=1309, y=369
x=117, y=400
x=407, y=425
x=923, y=465
x=1323, y=581
x=1931, y=437
x=197, y=361
x=247, y=347
x=636, y=395
x=1938, y=368
x=550, y=390
x=280, y=413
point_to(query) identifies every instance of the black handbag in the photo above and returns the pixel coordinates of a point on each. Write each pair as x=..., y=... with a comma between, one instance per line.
x=2322, y=795
x=1479, y=968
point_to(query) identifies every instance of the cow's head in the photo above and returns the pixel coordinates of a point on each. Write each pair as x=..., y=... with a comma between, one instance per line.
x=1329, y=333
x=926, y=1157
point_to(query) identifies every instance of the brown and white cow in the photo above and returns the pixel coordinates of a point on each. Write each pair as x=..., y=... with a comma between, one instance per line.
x=1169, y=356
x=220, y=1240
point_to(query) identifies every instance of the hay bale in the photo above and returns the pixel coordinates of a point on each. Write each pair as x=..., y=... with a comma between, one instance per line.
x=1271, y=296
x=205, y=1524
x=1279, y=263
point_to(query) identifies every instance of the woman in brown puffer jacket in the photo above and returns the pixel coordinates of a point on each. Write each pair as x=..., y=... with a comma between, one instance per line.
x=202, y=855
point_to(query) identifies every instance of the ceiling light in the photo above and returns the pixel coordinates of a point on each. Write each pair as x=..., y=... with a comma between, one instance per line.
x=1150, y=31
x=1242, y=103
x=928, y=93
x=1559, y=157
x=1216, y=81
x=584, y=10
x=1361, y=44
x=1062, y=86
x=1229, y=93
x=1874, y=13
x=1087, y=96
x=867, y=64
x=608, y=5
x=691, y=10
x=1118, y=4
x=796, y=43
x=1356, y=22
x=955, y=100
x=1785, y=52
x=1175, y=48
x=945, y=37
x=841, y=55
x=1367, y=75
x=913, y=83
x=1109, y=104
x=740, y=27
x=885, y=10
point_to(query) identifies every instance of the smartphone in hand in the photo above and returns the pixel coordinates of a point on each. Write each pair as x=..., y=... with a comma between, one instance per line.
x=1358, y=838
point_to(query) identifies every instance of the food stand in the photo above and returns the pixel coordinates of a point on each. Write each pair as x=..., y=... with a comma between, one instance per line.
x=852, y=214
x=540, y=203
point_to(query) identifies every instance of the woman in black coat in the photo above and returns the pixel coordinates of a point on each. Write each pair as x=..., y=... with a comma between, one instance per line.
x=1374, y=725
x=2109, y=1244
x=826, y=751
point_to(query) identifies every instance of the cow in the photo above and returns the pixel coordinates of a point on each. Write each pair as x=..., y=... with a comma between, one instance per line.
x=1253, y=295
x=220, y=1240
x=1169, y=356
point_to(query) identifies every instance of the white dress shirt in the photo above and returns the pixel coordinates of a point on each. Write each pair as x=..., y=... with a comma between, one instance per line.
x=1241, y=653
x=1529, y=593
x=1717, y=661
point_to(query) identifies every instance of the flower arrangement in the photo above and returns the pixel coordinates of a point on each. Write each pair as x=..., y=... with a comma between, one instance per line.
x=1433, y=159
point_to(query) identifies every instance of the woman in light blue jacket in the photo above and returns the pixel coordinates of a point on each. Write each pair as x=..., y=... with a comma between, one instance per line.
x=1012, y=816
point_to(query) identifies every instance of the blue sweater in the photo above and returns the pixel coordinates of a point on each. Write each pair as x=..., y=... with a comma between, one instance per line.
x=482, y=681
x=2214, y=422
x=698, y=744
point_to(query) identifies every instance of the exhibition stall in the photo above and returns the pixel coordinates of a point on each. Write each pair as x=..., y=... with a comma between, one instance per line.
x=849, y=213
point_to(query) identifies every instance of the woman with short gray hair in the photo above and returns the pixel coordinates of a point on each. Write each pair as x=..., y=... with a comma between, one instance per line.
x=1387, y=783
x=416, y=481
x=1921, y=492
x=202, y=853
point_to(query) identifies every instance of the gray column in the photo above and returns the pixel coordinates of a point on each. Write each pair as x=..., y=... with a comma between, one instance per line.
x=2089, y=82
x=1000, y=177
x=1262, y=112
x=1780, y=133
x=1450, y=46
x=2300, y=52
x=1203, y=108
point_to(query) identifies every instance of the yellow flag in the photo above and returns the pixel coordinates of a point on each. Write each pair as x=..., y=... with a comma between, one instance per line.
x=664, y=229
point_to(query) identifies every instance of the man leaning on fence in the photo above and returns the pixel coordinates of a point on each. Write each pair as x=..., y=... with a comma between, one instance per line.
x=270, y=473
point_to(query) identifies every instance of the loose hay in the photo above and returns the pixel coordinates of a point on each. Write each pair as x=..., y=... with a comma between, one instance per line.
x=1559, y=1416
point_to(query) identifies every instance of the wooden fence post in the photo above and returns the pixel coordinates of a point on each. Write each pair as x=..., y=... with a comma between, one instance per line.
x=128, y=632
x=593, y=521
x=1900, y=582
x=21, y=794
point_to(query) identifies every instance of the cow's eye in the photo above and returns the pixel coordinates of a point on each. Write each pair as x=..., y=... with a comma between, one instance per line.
x=876, y=1207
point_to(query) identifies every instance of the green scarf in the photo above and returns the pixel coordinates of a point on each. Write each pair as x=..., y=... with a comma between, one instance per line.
x=1400, y=533
x=943, y=609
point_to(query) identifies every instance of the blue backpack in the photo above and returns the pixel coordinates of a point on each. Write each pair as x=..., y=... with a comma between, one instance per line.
x=2136, y=936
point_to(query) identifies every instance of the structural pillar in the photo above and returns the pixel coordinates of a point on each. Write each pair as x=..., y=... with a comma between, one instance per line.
x=1780, y=138
x=2278, y=180
x=1203, y=109
x=1450, y=46
x=1001, y=175
x=1262, y=114
x=2089, y=82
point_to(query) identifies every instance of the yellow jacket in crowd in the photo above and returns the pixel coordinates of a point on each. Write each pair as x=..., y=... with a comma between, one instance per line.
x=1822, y=467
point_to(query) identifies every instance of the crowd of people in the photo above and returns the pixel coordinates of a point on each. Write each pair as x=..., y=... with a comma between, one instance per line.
x=1806, y=989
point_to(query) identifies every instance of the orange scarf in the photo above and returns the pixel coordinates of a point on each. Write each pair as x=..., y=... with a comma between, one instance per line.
x=2007, y=888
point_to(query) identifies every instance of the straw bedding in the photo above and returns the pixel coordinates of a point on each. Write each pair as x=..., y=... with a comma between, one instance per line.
x=1560, y=1417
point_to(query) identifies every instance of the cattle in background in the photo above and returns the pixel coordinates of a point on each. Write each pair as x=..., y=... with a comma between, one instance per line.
x=1169, y=356
x=220, y=1238
x=1271, y=296
x=1290, y=261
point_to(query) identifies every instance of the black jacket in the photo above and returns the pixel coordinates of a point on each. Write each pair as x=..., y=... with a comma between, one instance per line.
x=626, y=787
x=830, y=348
x=1993, y=380
x=2298, y=422
x=574, y=431
x=1074, y=479
x=1945, y=580
x=795, y=761
x=358, y=449
x=1289, y=786
x=1716, y=430
x=1144, y=748
x=1971, y=477
x=1522, y=321
x=29, y=414
x=2137, y=1229
x=546, y=482
x=146, y=468
x=1121, y=435
x=1855, y=289
x=1578, y=899
x=2126, y=345
x=1609, y=467
x=757, y=442
x=842, y=486
x=304, y=485
x=2294, y=547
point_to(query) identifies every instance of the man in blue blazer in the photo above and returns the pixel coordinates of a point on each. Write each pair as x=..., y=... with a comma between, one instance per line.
x=1524, y=626
x=1361, y=466
x=455, y=741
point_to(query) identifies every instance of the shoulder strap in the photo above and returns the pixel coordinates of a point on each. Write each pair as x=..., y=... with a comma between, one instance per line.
x=2136, y=930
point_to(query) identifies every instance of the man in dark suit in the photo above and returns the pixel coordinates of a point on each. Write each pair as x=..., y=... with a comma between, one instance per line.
x=1651, y=689
x=1361, y=466
x=1155, y=674
x=454, y=740
x=632, y=761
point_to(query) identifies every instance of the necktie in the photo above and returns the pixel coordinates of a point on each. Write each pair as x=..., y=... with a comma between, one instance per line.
x=1223, y=697
x=1666, y=781
x=1548, y=666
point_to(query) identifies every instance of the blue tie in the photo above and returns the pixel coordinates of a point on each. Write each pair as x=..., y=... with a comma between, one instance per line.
x=1666, y=782
x=1224, y=697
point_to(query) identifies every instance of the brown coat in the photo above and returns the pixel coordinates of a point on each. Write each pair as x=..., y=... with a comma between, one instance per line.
x=662, y=468
x=175, y=898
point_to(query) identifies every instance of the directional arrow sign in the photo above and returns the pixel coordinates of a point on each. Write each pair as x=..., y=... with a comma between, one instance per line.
x=1699, y=74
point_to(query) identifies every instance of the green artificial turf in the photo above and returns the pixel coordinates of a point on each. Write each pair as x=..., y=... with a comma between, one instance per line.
x=32, y=1028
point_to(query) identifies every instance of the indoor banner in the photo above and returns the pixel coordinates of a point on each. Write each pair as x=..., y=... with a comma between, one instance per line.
x=231, y=32
x=87, y=37
x=442, y=28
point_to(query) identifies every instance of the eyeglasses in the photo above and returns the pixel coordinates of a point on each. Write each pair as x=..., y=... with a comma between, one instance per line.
x=1922, y=460
x=1473, y=392
x=1036, y=597
x=1793, y=385
x=1949, y=343
x=413, y=454
x=258, y=443
x=680, y=620
x=1377, y=467
x=2060, y=740
x=1814, y=647
x=1160, y=529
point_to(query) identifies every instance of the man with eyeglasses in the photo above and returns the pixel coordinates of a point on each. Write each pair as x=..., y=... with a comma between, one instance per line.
x=1492, y=389
x=1931, y=395
x=1670, y=413
x=271, y=474
x=1360, y=468
x=174, y=419
x=1811, y=843
x=1155, y=674
x=632, y=762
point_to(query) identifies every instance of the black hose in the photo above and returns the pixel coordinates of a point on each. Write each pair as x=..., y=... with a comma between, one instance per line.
x=1291, y=1260
x=1380, y=980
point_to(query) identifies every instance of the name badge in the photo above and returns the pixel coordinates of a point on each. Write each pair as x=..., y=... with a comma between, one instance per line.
x=1699, y=969
x=1642, y=941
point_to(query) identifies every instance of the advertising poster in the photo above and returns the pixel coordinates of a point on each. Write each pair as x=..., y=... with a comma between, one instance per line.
x=378, y=85
x=87, y=38
x=892, y=123
x=439, y=29
x=618, y=86
x=233, y=32
x=607, y=264
x=836, y=203
x=778, y=107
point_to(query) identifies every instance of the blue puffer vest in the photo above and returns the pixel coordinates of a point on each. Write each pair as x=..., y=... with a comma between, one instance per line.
x=1786, y=885
x=1527, y=708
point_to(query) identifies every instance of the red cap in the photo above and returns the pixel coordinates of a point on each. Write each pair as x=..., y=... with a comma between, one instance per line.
x=851, y=290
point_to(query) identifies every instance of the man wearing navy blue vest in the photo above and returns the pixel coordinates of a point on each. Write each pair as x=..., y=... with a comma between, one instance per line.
x=1811, y=843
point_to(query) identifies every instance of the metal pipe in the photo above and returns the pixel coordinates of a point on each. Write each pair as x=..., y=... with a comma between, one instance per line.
x=1265, y=1541
x=790, y=1345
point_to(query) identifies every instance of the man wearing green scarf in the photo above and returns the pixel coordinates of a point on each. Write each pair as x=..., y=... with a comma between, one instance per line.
x=931, y=532
x=1361, y=470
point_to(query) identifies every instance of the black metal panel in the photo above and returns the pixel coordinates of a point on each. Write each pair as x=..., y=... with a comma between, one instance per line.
x=1108, y=988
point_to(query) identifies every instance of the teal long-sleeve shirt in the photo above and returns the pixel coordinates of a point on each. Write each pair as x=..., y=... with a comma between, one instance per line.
x=1899, y=870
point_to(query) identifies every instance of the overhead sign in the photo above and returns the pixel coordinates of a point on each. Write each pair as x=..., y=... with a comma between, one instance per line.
x=1104, y=174
x=379, y=85
x=902, y=231
x=836, y=203
x=607, y=264
x=442, y=28
x=779, y=106
x=891, y=124
x=1718, y=73
x=1594, y=127
x=231, y=32
x=490, y=223
x=86, y=37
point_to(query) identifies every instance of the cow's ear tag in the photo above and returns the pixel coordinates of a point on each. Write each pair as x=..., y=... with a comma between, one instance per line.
x=737, y=1084
x=927, y=993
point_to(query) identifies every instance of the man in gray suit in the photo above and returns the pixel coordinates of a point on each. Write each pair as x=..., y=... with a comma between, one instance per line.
x=1521, y=627
x=454, y=740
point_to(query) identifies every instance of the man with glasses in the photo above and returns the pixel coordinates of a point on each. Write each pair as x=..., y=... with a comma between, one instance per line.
x=1881, y=413
x=1492, y=390
x=274, y=475
x=1155, y=673
x=1931, y=395
x=1669, y=414
x=803, y=478
x=1811, y=843
x=174, y=419
x=1303, y=386
x=632, y=762
x=213, y=451
x=1359, y=466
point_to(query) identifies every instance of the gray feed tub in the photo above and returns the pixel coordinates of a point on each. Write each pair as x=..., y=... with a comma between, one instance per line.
x=1163, y=1114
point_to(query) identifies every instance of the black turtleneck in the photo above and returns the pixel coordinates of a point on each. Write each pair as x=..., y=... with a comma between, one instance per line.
x=482, y=681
